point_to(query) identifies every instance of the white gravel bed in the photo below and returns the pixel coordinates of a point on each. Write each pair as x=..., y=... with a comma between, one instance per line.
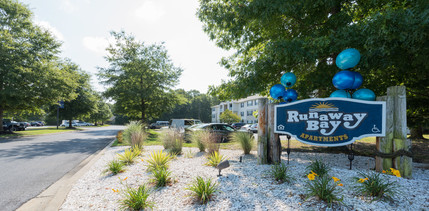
x=243, y=186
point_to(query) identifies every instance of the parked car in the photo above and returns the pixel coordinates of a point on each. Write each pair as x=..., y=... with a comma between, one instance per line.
x=238, y=125
x=221, y=130
x=35, y=124
x=253, y=128
x=22, y=125
x=245, y=127
x=183, y=123
x=9, y=125
x=159, y=124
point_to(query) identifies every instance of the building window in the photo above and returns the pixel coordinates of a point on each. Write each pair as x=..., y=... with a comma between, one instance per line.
x=230, y=105
x=250, y=103
x=213, y=109
x=242, y=113
x=249, y=113
x=213, y=116
x=256, y=102
x=242, y=105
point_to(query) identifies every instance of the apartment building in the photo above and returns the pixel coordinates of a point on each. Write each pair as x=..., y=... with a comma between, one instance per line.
x=244, y=108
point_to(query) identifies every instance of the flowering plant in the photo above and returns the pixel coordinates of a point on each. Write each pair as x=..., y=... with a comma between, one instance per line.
x=375, y=186
x=392, y=171
x=323, y=187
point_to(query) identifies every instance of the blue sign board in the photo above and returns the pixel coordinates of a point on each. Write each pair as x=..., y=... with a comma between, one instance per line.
x=331, y=121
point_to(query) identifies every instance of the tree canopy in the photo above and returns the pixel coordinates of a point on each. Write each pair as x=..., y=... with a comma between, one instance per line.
x=273, y=37
x=140, y=77
x=31, y=74
x=228, y=117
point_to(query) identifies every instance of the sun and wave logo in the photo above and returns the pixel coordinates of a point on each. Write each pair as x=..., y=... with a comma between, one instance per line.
x=323, y=107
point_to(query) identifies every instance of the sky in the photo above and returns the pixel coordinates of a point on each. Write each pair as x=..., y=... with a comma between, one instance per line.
x=84, y=27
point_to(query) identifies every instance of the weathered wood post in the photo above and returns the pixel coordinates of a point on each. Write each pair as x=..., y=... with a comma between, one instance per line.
x=274, y=144
x=263, y=131
x=395, y=147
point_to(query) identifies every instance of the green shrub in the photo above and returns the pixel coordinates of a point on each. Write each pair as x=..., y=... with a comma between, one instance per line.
x=189, y=154
x=173, y=142
x=115, y=167
x=214, y=159
x=136, y=198
x=203, y=190
x=198, y=138
x=375, y=186
x=158, y=160
x=279, y=173
x=161, y=177
x=323, y=187
x=318, y=167
x=119, y=137
x=134, y=134
x=129, y=156
x=245, y=140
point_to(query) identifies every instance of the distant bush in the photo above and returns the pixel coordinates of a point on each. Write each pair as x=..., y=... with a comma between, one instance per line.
x=134, y=134
x=173, y=141
x=119, y=136
x=245, y=140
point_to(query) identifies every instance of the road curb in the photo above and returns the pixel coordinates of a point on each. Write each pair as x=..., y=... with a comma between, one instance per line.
x=54, y=196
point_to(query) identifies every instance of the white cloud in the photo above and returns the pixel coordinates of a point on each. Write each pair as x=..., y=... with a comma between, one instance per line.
x=54, y=31
x=150, y=11
x=68, y=6
x=97, y=44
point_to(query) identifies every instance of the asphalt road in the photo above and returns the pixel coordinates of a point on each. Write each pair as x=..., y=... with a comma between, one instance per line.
x=29, y=165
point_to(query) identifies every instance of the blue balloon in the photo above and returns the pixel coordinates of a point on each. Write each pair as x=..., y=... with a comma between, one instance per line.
x=290, y=95
x=288, y=79
x=364, y=94
x=340, y=93
x=343, y=79
x=277, y=91
x=347, y=59
x=358, y=80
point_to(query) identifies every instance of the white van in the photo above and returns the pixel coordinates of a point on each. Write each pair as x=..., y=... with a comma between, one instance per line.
x=183, y=123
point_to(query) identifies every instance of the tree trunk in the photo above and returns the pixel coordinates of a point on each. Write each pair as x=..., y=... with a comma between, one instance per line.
x=263, y=131
x=1, y=119
x=70, y=123
x=417, y=133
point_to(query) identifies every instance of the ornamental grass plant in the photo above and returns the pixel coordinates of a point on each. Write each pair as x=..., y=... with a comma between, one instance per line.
x=214, y=159
x=161, y=177
x=199, y=137
x=245, y=140
x=173, y=141
x=203, y=189
x=280, y=173
x=115, y=167
x=136, y=198
x=319, y=167
x=119, y=136
x=158, y=160
x=323, y=187
x=134, y=134
x=375, y=185
x=129, y=156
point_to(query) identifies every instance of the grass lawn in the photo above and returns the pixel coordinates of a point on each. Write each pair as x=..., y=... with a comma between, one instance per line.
x=39, y=131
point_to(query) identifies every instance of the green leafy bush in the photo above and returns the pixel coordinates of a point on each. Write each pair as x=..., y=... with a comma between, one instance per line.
x=161, y=177
x=129, y=156
x=279, y=173
x=323, y=187
x=115, y=167
x=214, y=159
x=158, y=160
x=173, y=142
x=318, y=167
x=375, y=186
x=245, y=140
x=136, y=198
x=203, y=190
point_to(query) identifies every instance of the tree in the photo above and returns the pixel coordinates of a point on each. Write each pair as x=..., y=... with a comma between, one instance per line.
x=83, y=105
x=273, y=37
x=30, y=71
x=228, y=117
x=102, y=114
x=140, y=76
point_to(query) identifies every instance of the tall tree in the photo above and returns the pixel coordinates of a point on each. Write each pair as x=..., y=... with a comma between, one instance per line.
x=141, y=77
x=30, y=73
x=272, y=37
x=102, y=114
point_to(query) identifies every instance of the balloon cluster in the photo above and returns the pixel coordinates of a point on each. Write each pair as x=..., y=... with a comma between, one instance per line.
x=346, y=80
x=279, y=91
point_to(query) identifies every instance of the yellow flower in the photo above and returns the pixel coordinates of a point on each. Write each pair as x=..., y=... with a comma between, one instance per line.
x=335, y=179
x=383, y=172
x=341, y=184
x=311, y=176
x=366, y=178
x=116, y=191
x=363, y=180
x=314, y=173
x=397, y=173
